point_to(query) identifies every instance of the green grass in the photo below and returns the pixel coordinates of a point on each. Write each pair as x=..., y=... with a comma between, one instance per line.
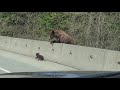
x=93, y=29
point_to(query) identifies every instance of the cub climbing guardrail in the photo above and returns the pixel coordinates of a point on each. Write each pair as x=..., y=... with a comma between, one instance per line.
x=80, y=57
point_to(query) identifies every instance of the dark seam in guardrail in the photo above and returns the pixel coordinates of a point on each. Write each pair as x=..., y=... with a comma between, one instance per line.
x=64, y=64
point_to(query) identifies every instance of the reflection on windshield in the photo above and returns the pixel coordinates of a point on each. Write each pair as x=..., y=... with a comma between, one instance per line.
x=65, y=74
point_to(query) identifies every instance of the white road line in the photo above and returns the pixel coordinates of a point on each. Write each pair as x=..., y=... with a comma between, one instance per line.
x=4, y=70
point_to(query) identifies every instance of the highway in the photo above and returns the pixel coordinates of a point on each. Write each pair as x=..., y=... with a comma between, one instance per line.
x=11, y=62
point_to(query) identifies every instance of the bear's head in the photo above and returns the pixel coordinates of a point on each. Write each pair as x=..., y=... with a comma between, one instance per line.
x=37, y=54
x=52, y=35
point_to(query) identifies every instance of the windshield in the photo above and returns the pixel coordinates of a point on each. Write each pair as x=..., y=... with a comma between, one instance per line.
x=82, y=43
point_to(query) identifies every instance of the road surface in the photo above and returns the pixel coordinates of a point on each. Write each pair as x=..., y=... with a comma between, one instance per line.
x=11, y=62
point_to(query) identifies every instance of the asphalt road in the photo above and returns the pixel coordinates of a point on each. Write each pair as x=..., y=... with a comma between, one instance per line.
x=11, y=62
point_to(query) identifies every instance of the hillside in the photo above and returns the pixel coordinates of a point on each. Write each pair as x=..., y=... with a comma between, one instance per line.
x=93, y=29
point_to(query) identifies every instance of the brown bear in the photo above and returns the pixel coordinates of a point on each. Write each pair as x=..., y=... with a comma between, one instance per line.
x=38, y=56
x=59, y=36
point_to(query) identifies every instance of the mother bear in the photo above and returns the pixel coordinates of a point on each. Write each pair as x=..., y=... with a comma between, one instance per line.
x=59, y=36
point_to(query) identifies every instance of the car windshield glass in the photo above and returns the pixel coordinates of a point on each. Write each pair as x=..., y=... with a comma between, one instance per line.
x=59, y=44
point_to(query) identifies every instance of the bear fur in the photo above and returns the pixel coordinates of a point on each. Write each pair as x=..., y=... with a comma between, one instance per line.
x=39, y=57
x=59, y=36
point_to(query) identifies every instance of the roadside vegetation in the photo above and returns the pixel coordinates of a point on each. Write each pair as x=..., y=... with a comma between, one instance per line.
x=93, y=29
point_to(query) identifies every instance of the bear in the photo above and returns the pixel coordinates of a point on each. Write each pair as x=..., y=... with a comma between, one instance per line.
x=59, y=36
x=39, y=57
